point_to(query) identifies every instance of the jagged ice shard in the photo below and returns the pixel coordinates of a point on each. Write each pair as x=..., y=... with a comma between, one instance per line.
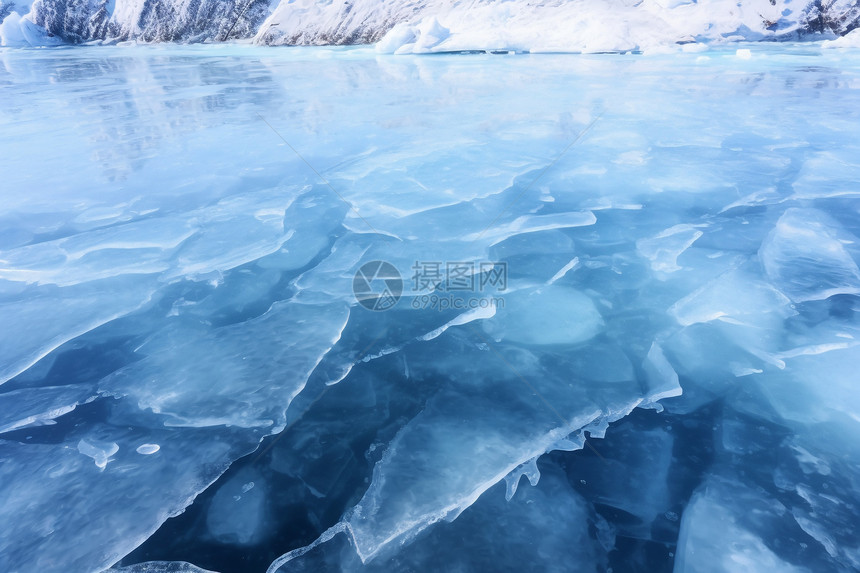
x=332, y=309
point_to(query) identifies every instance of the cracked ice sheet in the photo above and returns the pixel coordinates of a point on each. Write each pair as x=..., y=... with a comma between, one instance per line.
x=718, y=300
x=427, y=236
x=545, y=528
x=90, y=278
x=718, y=537
x=36, y=323
x=620, y=185
x=234, y=231
x=228, y=388
x=77, y=530
x=815, y=395
x=485, y=423
x=482, y=220
x=386, y=180
x=805, y=256
x=242, y=375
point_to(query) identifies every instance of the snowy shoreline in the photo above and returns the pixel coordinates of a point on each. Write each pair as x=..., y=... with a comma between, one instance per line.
x=432, y=26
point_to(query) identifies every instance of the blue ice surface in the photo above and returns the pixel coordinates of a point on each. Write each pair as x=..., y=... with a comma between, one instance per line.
x=669, y=358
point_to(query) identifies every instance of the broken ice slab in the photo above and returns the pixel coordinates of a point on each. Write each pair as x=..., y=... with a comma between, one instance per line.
x=805, y=256
x=40, y=320
x=542, y=528
x=78, y=526
x=663, y=249
x=661, y=379
x=727, y=528
x=739, y=296
x=830, y=172
x=138, y=247
x=817, y=386
x=218, y=237
x=235, y=380
x=492, y=416
x=36, y=406
x=634, y=477
x=244, y=374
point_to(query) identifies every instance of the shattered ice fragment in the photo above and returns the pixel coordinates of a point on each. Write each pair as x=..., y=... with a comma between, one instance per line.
x=99, y=452
x=663, y=249
x=564, y=270
x=475, y=314
x=662, y=378
x=739, y=370
x=512, y=480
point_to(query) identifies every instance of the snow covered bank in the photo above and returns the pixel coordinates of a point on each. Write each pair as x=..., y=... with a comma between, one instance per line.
x=421, y=26
x=587, y=26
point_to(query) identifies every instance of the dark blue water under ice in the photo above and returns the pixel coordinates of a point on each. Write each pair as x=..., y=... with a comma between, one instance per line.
x=321, y=310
